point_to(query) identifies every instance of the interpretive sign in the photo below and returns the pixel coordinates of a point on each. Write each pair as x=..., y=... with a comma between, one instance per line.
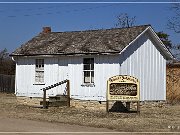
x=123, y=88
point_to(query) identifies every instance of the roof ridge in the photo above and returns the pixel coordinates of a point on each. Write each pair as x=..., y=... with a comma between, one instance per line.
x=146, y=25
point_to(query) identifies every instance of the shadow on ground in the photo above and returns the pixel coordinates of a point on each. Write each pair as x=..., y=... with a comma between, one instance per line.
x=118, y=106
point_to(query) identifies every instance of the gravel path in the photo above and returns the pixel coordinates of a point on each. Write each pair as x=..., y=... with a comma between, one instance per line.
x=23, y=126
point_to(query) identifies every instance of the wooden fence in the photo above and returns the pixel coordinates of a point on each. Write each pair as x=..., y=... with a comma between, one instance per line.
x=7, y=83
x=173, y=83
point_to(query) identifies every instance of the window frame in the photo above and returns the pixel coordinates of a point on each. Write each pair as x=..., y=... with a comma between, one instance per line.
x=39, y=71
x=90, y=70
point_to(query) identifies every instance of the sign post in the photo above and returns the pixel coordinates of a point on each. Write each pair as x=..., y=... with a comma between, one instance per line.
x=123, y=88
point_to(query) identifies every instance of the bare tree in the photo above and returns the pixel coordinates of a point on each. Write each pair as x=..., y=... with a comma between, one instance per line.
x=7, y=66
x=165, y=39
x=3, y=54
x=174, y=22
x=125, y=21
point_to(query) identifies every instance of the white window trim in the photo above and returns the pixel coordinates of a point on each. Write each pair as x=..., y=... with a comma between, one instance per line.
x=39, y=70
x=91, y=84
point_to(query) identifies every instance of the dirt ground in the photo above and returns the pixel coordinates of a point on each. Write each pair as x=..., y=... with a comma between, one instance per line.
x=24, y=127
x=153, y=119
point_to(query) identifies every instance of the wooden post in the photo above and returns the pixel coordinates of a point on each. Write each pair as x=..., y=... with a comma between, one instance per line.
x=44, y=100
x=107, y=101
x=107, y=106
x=68, y=93
x=138, y=107
x=11, y=85
x=128, y=106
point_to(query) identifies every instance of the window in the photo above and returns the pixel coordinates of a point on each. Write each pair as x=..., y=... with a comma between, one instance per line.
x=88, y=70
x=39, y=71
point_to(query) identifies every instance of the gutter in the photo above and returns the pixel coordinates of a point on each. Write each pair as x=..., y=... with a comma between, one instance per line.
x=68, y=54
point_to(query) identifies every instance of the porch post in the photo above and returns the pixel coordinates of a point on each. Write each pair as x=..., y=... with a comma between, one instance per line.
x=44, y=100
x=68, y=93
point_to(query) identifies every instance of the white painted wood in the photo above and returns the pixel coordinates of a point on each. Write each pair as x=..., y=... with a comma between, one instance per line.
x=105, y=67
x=62, y=74
x=142, y=59
x=51, y=74
x=25, y=78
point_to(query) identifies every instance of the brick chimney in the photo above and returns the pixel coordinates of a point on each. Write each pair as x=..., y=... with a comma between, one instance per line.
x=46, y=30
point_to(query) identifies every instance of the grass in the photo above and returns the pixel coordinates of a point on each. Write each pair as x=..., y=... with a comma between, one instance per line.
x=151, y=119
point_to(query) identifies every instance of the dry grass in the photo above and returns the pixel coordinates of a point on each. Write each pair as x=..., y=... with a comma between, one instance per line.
x=159, y=119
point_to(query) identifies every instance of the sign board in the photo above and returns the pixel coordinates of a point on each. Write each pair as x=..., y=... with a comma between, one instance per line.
x=123, y=88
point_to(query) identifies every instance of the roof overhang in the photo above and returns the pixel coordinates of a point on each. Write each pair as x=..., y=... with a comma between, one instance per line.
x=166, y=53
x=66, y=54
x=160, y=44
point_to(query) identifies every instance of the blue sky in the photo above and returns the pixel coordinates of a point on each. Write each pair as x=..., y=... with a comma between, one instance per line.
x=20, y=22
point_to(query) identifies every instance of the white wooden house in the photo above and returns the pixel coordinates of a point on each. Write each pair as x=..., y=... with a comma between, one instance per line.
x=88, y=59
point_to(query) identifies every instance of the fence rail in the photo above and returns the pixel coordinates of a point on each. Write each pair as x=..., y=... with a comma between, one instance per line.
x=7, y=83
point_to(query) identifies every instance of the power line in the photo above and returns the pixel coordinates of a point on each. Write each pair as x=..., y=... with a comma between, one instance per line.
x=33, y=9
x=60, y=12
x=94, y=2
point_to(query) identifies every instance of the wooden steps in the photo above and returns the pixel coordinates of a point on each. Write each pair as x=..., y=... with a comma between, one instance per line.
x=56, y=101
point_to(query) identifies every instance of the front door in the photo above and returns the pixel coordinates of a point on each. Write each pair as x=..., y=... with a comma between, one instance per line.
x=62, y=74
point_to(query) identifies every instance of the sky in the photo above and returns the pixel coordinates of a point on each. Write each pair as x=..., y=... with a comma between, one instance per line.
x=19, y=22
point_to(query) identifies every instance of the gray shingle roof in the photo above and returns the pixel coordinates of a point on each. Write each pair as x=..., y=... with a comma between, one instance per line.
x=80, y=42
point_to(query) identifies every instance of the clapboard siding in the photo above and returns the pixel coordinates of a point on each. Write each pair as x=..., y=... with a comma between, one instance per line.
x=105, y=67
x=144, y=61
x=50, y=74
x=25, y=77
x=61, y=68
